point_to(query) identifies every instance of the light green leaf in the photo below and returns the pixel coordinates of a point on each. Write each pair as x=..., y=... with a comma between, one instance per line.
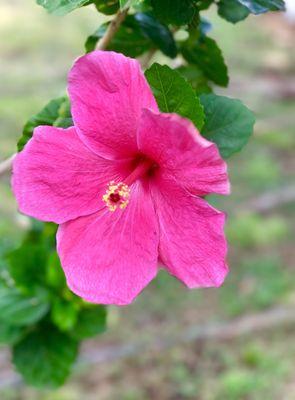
x=91, y=321
x=262, y=6
x=228, y=123
x=55, y=112
x=19, y=309
x=45, y=357
x=64, y=314
x=128, y=3
x=174, y=94
x=10, y=334
x=61, y=7
x=55, y=276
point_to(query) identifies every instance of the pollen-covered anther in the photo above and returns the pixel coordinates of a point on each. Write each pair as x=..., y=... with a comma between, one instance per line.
x=117, y=195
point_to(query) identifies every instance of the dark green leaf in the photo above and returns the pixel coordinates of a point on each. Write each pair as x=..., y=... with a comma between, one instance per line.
x=208, y=57
x=129, y=39
x=158, y=33
x=107, y=7
x=177, y=12
x=45, y=357
x=19, y=309
x=174, y=94
x=10, y=334
x=47, y=116
x=27, y=264
x=203, y=4
x=91, y=322
x=262, y=6
x=228, y=123
x=61, y=7
x=232, y=10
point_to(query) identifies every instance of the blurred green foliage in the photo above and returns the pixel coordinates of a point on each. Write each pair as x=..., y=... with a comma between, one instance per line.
x=40, y=316
x=41, y=319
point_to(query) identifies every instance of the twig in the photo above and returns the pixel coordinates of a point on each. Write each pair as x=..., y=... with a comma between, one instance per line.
x=112, y=29
x=147, y=59
x=6, y=165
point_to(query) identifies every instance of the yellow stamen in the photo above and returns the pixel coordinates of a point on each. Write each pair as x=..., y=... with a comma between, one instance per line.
x=117, y=195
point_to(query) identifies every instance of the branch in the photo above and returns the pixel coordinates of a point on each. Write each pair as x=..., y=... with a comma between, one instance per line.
x=112, y=29
x=6, y=165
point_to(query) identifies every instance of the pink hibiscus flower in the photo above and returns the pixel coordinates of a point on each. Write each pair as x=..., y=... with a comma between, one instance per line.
x=125, y=183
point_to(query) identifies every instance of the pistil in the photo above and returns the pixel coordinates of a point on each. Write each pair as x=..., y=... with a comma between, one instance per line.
x=141, y=169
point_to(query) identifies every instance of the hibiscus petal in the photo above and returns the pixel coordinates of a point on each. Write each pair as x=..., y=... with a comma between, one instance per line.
x=57, y=178
x=182, y=153
x=192, y=242
x=109, y=257
x=107, y=92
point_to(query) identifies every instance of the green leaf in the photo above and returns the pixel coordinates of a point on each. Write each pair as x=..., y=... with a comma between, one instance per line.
x=228, y=123
x=64, y=117
x=158, y=33
x=61, y=7
x=55, y=276
x=128, y=3
x=10, y=334
x=20, y=309
x=137, y=34
x=206, y=54
x=27, y=264
x=45, y=357
x=53, y=112
x=64, y=314
x=196, y=78
x=174, y=94
x=107, y=7
x=203, y=4
x=232, y=10
x=91, y=321
x=262, y=6
x=177, y=12
x=129, y=39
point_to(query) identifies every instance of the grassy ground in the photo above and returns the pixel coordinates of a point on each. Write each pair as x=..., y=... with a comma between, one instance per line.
x=36, y=52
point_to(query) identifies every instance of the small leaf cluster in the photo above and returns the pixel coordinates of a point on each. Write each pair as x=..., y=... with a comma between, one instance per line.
x=41, y=319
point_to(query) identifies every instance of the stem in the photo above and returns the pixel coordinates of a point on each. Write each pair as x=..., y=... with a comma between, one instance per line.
x=145, y=63
x=6, y=165
x=112, y=29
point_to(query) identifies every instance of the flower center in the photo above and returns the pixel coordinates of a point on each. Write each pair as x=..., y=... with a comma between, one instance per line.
x=117, y=194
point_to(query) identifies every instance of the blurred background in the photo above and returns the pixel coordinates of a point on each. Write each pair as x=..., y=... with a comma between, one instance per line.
x=232, y=343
